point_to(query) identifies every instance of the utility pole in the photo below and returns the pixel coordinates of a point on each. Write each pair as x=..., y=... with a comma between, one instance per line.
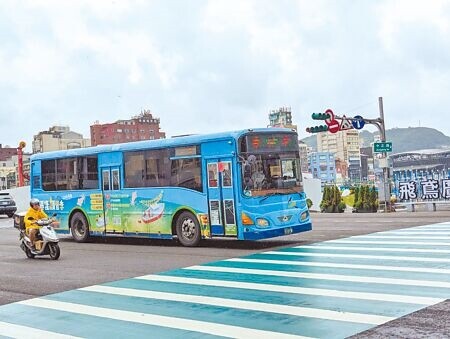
x=386, y=183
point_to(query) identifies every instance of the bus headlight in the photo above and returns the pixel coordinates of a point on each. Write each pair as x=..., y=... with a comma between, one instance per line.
x=304, y=216
x=261, y=222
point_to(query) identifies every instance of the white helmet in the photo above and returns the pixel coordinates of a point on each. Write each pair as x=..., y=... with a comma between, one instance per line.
x=34, y=201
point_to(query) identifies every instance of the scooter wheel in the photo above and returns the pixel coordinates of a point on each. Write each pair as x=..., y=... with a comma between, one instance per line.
x=54, y=250
x=29, y=254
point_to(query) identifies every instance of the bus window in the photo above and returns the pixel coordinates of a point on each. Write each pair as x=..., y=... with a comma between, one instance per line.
x=115, y=179
x=146, y=168
x=69, y=174
x=105, y=180
x=134, y=169
x=186, y=173
x=212, y=174
x=263, y=173
x=48, y=175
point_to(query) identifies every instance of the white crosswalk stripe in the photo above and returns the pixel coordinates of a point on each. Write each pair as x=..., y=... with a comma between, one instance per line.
x=318, y=276
x=298, y=290
x=21, y=331
x=350, y=266
x=150, y=319
x=376, y=249
x=358, y=256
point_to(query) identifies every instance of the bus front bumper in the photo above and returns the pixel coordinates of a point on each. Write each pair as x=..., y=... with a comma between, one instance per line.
x=253, y=233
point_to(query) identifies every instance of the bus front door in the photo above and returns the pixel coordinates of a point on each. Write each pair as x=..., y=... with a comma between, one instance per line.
x=112, y=200
x=221, y=204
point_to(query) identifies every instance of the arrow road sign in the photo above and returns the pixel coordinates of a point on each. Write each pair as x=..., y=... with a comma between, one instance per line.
x=358, y=122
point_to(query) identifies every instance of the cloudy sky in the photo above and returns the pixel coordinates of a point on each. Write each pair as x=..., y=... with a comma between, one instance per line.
x=219, y=65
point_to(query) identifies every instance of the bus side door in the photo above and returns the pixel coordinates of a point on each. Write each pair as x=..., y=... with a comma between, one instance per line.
x=112, y=199
x=221, y=204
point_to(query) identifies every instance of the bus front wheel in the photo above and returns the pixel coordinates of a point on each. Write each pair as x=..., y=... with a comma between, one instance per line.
x=188, y=229
x=79, y=227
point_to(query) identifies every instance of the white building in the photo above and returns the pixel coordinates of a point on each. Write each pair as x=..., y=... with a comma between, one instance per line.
x=58, y=138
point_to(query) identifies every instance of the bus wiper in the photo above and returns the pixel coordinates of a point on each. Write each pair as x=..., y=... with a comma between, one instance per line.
x=270, y=195
x=290, y=191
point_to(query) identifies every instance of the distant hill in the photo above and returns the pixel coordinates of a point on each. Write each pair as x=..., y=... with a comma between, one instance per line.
x=403, y=139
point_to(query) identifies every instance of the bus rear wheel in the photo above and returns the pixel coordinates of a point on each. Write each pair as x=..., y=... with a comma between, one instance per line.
x=188, y=229
x=79, y=227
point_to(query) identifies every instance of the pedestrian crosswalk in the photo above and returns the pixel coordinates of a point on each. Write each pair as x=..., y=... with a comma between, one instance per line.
x=331, y=289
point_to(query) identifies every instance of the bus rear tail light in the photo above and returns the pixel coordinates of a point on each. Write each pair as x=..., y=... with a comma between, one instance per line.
x=246, y=220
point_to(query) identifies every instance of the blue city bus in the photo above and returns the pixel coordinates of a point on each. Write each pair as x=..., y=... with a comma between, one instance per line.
x=243, y=184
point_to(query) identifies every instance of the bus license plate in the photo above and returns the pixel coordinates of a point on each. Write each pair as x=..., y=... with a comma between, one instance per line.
x=288, y=230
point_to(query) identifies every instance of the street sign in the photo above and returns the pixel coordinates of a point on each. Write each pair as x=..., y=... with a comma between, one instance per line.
x=345, y=124
x=331, y=118
x=380, y=147
x=333, y=126
x=358, y=122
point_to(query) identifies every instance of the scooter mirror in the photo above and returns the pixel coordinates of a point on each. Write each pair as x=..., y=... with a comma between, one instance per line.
x=54, y=215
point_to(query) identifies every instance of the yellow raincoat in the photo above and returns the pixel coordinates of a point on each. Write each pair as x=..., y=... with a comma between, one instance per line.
x=36, y=215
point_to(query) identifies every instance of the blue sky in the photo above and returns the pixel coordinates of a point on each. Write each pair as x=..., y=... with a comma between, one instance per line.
x=206, y=66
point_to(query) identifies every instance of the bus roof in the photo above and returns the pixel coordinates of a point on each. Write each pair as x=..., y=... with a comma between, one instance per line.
x=157, y=143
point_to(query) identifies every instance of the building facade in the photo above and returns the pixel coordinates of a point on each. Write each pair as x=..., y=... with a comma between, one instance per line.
x=345, y=146
x=303, y=151
x=421, y=165
x=322, y=166
x=141, y=127
x=7, y=152
x=9, y=171
x=281, y=117
x=58, y=138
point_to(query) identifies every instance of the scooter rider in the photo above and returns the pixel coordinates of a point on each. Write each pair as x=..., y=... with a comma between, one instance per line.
x=33, y=214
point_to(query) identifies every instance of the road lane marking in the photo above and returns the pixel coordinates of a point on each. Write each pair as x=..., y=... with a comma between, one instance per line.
x=407, y=299
x=20, y=331
x=246, y=305
x=157, y=320
x=320, y=276
x=350, y=266
x=357, y=256
x=368, y=242
x=418, y=237
x=417, y=232
x=375, y=249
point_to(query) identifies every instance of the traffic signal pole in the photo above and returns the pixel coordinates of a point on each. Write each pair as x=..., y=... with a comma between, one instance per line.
x=386, y=183
x=379, y=123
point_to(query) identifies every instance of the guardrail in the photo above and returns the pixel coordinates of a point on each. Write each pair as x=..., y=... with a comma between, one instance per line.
x=411, y=206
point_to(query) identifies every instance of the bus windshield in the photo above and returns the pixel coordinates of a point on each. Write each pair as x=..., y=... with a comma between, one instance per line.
x=271, y=173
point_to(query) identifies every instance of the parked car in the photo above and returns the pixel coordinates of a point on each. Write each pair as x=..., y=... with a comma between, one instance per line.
x=7, y=205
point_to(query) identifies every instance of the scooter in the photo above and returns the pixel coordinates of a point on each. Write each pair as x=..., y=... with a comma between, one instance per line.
x=46, y=239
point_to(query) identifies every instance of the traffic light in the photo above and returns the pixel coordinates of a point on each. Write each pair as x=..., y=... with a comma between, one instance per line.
x=320, y=116
x=317, y=129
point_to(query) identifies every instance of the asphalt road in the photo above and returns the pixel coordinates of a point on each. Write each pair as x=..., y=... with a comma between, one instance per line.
x=101, y=261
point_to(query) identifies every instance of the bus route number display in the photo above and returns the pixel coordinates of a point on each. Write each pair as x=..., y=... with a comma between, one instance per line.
x=271, y=143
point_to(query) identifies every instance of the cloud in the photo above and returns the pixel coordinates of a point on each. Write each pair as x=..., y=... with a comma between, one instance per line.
x=215, y=65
